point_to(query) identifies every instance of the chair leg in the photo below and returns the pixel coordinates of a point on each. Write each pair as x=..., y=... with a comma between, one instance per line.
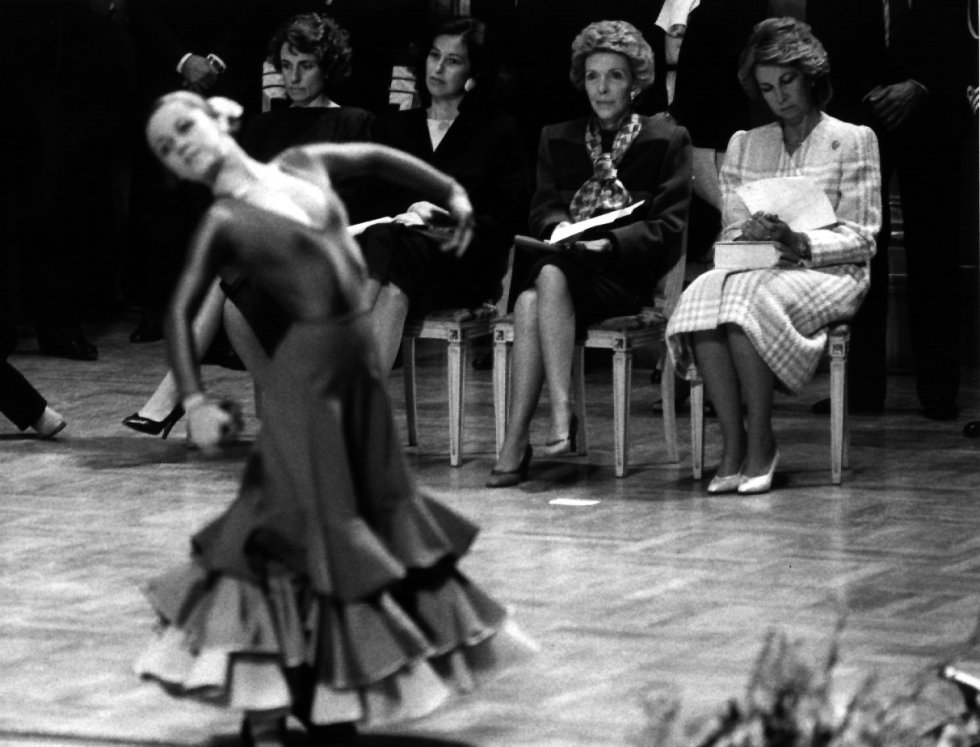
x=622, y=373
x=408, y=374
x=838, y=414
x=668, y=385
x=456, y=380
x=501, y=388
x=578, y=387
x=697, y=428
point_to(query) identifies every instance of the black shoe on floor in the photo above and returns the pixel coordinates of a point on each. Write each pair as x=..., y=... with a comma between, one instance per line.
x=972, y=429
x=148, y=330
x=76, y=348
x=822, y=407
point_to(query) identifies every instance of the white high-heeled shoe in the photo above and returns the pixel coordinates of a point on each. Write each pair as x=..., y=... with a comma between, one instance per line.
x=726, y=484
x=50, y=424
x=760, y=483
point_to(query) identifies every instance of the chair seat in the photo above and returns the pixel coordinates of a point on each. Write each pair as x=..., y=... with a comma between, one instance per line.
x=627, y=332
x=647, y=317
x=452, y=324
x=456, y=327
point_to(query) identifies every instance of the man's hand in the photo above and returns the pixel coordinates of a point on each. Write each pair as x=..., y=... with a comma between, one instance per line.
x=894, y=103
x=199, y=74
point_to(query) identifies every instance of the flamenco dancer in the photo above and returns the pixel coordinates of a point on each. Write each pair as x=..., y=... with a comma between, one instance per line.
x=329, y=588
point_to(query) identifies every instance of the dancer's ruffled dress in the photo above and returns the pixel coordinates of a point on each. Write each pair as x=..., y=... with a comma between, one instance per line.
x=330, y=565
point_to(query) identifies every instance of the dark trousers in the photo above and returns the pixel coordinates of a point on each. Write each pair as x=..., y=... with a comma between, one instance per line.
x=19, y=401
x=926, y=164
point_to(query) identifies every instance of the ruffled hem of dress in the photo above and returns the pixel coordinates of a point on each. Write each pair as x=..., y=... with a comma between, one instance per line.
x=375, y=661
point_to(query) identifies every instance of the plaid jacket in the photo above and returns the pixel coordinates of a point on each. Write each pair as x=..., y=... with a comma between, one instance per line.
x=784, y=310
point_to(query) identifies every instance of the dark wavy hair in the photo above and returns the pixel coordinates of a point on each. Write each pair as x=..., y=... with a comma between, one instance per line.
x=320, y=36
x=484, y=63
x=786, y=41
x=619, y=37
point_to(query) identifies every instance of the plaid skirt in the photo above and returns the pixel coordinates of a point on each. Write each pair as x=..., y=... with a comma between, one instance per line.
x=784, y=312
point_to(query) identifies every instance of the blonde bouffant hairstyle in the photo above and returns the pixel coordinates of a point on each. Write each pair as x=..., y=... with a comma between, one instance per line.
x=619, y=37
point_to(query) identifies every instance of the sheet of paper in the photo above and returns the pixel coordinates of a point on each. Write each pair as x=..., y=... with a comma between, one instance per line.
x=358, y=228
x=574, y=229
x=797, y=200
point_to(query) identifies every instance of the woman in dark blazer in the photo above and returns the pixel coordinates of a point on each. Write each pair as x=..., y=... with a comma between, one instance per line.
x=586, y=167
x=460, y=133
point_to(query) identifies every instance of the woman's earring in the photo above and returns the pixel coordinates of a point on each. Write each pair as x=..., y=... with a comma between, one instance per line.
x=469, y=85
x=634, y=93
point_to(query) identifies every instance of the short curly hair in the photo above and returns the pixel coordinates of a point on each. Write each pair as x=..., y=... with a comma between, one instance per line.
x=320, y=36
x=789, y=42
x=619, y=37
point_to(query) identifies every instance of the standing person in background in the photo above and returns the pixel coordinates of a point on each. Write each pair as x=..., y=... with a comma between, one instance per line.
x=24, y=406
x=711, y=105
x=213, y=47
x=65, y=161
x=904, y=71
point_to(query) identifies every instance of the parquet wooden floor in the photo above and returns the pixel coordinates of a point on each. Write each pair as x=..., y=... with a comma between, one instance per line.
x=652, y=586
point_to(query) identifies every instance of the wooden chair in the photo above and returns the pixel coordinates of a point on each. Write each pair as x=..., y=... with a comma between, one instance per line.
x=838, y=342
x=456, y=327
x=621, y=335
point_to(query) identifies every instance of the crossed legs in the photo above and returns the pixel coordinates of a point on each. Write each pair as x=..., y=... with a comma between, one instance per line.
x=734, y=373
x=544, y=343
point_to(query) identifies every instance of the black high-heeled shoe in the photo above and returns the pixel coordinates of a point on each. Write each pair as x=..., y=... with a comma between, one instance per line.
x=567, y=445
x=154, y=427
x=500, y=478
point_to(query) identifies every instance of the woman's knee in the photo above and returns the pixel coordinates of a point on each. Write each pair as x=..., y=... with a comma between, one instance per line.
x=551, y=281
x=526, y=303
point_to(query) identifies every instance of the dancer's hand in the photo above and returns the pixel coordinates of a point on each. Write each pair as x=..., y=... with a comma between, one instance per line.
x=211, y=423
x=461, y=211
x=428, y=213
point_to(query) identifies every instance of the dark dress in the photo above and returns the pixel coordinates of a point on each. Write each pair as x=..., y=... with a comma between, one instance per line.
x=656, y=168
x=330, y=562
x=267, y=136
x=484, y=153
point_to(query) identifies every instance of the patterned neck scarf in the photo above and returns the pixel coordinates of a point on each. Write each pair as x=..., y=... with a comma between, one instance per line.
x=603, y=191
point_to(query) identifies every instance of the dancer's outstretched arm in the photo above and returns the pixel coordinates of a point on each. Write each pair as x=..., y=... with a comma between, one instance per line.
x=343, y=159
x=207, y=421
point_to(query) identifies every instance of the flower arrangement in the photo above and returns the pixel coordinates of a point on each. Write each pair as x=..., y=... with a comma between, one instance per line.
x=791, y=703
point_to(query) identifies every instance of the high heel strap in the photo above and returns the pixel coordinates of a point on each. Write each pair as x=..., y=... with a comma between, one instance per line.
x=567, y=445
